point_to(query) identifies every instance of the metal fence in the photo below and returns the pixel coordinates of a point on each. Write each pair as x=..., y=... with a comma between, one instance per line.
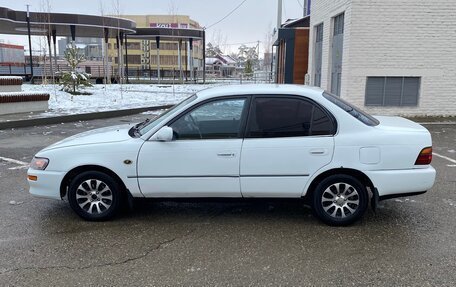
x=136, y=75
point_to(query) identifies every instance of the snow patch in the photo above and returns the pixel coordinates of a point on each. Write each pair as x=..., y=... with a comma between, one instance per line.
x=112, y=97
x=13, y=202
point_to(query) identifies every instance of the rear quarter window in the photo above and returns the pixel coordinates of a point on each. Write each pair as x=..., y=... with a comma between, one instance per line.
x=352, y=110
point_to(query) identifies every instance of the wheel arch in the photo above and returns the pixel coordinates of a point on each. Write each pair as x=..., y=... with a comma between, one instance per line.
x=361, y=176
x=77, y=170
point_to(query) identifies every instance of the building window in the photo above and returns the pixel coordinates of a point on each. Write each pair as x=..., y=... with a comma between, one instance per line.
x=337, y=52
x=166, y=60
x=318, y=54
x=392, y=91
x=134, y=59
x=134, y=45
x=339, y=24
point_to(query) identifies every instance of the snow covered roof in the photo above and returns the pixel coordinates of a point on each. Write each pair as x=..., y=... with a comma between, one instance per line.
x=10, y=78
x=299, y=22
x=212, y=61
x=227, y=59
x=80, y=46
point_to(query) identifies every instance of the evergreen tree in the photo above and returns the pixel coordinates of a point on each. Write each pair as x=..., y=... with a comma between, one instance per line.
x=247, y=56
x=72, y=81
x=212, y=51
x=248, y=70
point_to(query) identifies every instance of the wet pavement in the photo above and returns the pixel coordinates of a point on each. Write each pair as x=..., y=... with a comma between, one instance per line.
x=407, y=242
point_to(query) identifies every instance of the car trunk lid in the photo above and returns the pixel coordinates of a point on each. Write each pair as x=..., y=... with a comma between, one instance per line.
x=399, y=124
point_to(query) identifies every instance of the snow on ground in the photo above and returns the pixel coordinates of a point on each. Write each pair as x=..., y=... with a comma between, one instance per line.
x=113, y=97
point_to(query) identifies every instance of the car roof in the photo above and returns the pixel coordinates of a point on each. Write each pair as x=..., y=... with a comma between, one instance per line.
x=260, y=89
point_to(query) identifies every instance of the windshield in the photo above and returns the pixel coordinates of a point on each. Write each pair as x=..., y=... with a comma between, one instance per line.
x=351, y=109
x=153, y=123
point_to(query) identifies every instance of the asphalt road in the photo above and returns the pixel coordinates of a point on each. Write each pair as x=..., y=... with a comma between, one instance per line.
x=408, y=242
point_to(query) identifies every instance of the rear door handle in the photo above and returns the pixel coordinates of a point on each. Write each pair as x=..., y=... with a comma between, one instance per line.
x=226, y=154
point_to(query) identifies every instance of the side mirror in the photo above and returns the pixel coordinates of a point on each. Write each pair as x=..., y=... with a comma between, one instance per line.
x=165, y=134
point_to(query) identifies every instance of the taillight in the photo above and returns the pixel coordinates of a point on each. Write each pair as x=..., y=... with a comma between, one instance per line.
x=425, y=156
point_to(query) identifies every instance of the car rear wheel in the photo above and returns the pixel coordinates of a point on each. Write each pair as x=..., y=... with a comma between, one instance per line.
x=340, y=200
x=94, y=196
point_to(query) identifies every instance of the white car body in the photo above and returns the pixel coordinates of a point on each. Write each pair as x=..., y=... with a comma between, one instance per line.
x=245, y=167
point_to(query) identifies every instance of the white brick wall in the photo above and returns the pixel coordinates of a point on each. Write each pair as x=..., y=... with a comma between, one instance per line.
x=393, y=38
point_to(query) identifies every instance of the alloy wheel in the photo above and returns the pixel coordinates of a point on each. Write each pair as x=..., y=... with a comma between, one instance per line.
x=340, y=200
x=94, y=196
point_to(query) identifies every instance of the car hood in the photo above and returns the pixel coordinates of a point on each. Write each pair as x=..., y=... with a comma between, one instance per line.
x=97, y=136
x=399, y=124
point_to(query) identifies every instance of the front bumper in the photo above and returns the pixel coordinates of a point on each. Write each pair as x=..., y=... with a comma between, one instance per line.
x=404, y=182
x=47, y=184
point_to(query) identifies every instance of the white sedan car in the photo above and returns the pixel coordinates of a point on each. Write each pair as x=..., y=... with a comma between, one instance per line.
x=248, y=141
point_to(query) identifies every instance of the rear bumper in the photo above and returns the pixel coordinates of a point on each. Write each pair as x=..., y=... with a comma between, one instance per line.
x=47, y=184
x=406, y=182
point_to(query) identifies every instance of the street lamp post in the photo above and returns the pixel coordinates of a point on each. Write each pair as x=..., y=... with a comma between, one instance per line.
x=30, y=43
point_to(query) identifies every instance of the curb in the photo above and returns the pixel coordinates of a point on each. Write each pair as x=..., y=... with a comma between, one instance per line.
x=79, y=117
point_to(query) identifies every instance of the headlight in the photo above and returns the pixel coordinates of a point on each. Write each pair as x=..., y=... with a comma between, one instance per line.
x=39, y=163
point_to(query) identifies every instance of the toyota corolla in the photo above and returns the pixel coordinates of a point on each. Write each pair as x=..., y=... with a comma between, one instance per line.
x=248, y=141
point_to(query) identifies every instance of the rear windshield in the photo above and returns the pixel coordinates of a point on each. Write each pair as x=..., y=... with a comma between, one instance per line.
x=352, y=110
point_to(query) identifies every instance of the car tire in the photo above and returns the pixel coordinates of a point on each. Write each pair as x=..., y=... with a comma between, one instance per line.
x=94, y=196
x=340, y=200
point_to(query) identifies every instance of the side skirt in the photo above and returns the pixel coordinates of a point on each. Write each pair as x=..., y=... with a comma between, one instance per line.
x=389, y=196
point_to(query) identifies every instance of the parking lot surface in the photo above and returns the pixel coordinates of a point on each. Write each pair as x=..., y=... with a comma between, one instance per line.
x=407, y=242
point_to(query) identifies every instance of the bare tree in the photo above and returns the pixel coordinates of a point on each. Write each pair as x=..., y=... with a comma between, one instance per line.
x=219, y=40
x=41, y=41
x=47, y=5
x=117, y=12
x=173, y=10
x=104, y=50
x=267, y=46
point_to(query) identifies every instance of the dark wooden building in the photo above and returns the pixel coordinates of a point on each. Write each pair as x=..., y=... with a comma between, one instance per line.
x=292, y=51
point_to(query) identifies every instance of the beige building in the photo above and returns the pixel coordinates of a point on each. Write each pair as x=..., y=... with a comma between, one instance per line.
x=142, y=54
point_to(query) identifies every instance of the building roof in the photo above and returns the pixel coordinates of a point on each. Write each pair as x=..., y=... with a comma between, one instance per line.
x=15, y=22
x=287, y=28
x=296, y=23
x=226, y=59
x=10, y=46
x=212, y=61
x=171, y=34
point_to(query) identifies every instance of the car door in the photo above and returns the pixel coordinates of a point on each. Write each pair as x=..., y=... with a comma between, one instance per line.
x=287, y=139
x=203, y=158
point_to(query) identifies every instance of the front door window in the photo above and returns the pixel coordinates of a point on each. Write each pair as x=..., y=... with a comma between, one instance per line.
x=219, y=119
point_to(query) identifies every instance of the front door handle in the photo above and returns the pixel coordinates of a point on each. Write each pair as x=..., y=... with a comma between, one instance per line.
x=318, y=151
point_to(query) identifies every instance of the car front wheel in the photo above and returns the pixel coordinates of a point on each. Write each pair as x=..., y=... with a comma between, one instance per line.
x=340, y=200
x=94, y=196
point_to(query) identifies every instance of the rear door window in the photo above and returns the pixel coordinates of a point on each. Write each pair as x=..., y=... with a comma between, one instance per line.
x=287, y=117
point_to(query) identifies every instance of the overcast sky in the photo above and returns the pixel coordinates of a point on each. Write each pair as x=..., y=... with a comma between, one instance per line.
x=247, y=24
